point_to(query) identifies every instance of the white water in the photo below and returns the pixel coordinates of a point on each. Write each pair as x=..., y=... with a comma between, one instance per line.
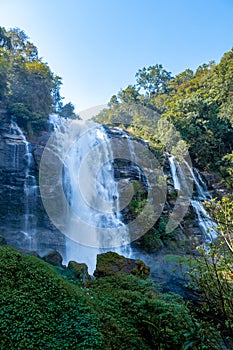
x=92, y=193
x=202, y=191
x=174, y=172
x=30, y=190
x=207, y=226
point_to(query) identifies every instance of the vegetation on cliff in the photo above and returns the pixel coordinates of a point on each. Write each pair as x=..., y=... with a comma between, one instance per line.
x=29, y=90
x=198, y=104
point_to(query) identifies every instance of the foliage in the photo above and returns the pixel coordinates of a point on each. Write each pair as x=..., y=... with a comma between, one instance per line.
x=136, y=316
x=196, y=106
x=157, y=237
x=129, y=95
x=67, y=111
x=29, y=90
x=222, y=212
x=226, y=168
x=40, y=310
x=151, y=241
x=153, y=79
x=213, y=276
x=213, y=272
x=4, y=67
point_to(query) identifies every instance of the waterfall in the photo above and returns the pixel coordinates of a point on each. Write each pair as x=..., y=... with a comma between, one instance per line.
x=202, y=192
x=92, y=193
x=30, y=190
x=174, y=172
x=207, y=226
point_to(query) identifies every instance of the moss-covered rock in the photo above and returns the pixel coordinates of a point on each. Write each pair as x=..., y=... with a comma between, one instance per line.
x=79, y=271
x=53, y=258
x=111, y=263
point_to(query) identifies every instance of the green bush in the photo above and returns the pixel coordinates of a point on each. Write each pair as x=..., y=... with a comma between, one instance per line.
x=39, y=310
x=136, y=316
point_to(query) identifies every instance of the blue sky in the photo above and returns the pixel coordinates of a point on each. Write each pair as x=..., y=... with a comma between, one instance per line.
x=97, y=46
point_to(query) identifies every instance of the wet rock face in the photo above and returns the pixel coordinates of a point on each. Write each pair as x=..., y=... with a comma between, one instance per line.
x=215, y=185
x=15, y=174
x=12, y=150
x=125, y=168
x=2, y=241
x=12, y=176
x=111, y=263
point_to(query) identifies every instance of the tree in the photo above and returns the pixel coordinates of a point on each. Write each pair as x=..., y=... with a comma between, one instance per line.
x=195, y=110
x=31, y=84
x=67, y=111
x=31, y=92
x=222, y=85
x=226, y=169
x=5, y=41
x=113, y=101
x=20, y=45
x=129, y=95
x=56, y=97
x=181, y=81
x=153, y=80
x=213, y=272
x=4, y=67
x=222, y=213
x=28, y=88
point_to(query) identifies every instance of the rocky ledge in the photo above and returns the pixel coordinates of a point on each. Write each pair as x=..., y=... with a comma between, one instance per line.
x=111, y=263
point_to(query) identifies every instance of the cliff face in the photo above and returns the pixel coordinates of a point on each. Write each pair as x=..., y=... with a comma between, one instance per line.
x=23, y=220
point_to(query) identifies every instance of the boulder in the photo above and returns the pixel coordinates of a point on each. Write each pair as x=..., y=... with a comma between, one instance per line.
x=53, y=258
x=111, y=263
x=79, y=271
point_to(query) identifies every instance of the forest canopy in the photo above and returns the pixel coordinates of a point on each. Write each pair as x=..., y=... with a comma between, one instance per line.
x=198, y=104
x=29, y=90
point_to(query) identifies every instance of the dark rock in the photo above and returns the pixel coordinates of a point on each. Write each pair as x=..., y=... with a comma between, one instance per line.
x=12, y=150
x=39, y=146
x=216, y=185
x=30, y=253
x=111, y=263
x=53, y=258
x=24, y=222
x=3, y=241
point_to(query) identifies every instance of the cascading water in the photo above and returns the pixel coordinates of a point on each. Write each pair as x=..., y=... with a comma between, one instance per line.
x=79, y=184
x=202, y=192
x=174, y=171
x=207, y=226
x=30, y=190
